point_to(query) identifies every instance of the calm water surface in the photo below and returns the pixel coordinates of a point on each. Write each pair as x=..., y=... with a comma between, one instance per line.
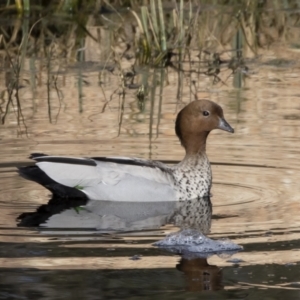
x=256, y=174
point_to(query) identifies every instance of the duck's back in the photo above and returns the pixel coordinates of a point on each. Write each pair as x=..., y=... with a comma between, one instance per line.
x=133, y=180
x=112, y=179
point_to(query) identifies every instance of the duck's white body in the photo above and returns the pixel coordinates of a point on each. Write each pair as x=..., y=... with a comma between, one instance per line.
x=136, y=180
x=130, y=179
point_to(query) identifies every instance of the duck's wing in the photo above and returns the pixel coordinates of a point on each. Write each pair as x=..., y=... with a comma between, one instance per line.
x=111, y=178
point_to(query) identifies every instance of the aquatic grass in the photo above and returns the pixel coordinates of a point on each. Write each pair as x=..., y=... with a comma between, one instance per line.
x=12, y=85
x=159, y=38
x=46, y=45
x=162, y=31
x=22, y=6
x=165, y=37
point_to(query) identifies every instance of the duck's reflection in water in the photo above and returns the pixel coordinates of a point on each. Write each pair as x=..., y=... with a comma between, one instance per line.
x=200, y=276
x=193, y=218
x=193, y=214
x=120, y=216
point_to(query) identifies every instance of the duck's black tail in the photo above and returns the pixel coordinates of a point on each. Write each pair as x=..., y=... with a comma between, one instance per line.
x=63, y=197
x=34, y=173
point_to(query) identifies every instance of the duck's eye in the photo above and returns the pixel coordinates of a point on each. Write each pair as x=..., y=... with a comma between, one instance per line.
x=205, y=113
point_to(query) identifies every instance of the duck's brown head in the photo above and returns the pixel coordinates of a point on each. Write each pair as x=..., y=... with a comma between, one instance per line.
x=196, y=120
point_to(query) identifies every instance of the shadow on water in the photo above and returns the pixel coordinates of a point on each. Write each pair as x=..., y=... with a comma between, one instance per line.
x=98, y=78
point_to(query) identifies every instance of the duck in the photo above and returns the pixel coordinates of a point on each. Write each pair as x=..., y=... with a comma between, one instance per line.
x=134, y=179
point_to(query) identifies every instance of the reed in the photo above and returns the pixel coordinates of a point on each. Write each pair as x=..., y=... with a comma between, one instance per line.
x=159, y=38
x=222, y=33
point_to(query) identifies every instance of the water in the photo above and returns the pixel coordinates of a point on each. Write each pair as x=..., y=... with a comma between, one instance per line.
x=71, y=106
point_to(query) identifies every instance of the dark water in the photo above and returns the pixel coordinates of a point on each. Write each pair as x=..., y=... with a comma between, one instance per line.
x=67, y=104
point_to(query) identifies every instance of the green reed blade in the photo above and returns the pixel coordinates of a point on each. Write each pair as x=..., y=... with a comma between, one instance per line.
x=144, y=17
x=162, y=27
x=154, y=17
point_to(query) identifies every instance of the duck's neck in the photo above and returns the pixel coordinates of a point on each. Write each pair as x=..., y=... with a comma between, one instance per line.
x=195, y=145
x=193, y=174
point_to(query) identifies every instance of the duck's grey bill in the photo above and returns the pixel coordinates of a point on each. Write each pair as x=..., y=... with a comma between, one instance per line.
x=225, y=126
